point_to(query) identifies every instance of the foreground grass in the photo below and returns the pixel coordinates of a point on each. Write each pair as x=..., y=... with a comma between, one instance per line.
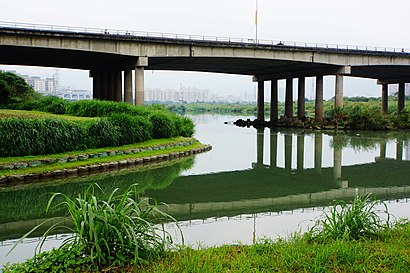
x=389, y=252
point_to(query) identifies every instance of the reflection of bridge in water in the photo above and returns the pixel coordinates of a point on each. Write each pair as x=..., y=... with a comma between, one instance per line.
x=270, y=188
x=273, y=188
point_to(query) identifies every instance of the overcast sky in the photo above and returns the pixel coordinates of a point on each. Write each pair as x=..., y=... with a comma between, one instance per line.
x=354, y=22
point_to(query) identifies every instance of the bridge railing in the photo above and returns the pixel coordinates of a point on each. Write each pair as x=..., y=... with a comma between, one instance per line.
x=45, y=27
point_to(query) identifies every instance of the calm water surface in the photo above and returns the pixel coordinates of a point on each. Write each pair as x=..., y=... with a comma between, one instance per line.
x=254, y=183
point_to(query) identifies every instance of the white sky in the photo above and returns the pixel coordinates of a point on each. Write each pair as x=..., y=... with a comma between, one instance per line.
x=354, y=22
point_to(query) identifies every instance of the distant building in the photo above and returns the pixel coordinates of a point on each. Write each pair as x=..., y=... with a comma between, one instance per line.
x=394, y=88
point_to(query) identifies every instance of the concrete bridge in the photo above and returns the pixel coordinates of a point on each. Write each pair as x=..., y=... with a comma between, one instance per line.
x=111, y=55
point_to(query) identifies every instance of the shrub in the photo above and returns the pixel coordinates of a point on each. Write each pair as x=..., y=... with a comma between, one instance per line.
x=353, y=221
x=118, y=230
x=163, y=125
x=97, y=108
x=102, y=133
x=132, y=129
x=185, y=127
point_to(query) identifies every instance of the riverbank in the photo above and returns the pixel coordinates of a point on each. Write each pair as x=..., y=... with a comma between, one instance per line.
x=35, y=168
x=386, y=252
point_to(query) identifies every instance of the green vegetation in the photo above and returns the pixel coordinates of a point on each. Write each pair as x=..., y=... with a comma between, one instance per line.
x=382, y=250
x=118, y=124
x=108, y=232
x=14, y=88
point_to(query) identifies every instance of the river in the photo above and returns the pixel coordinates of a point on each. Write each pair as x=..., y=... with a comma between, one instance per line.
x=252, y=184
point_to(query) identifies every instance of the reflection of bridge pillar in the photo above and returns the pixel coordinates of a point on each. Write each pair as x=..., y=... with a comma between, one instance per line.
x=318, y=152
x=300, y=152
x=260, y=103
x=118, y=86
x=399, y=150
x=274, y=102
x=301, y=97
x=383, y=145
x=259, y=146
x=400, y=98
x=288, y=151
x=385, y=98
x=128, y=86
x=273, y=148
x=289, y=98
x=96, y=84
x=339, y=91
x=337, y=163
x=139, y=80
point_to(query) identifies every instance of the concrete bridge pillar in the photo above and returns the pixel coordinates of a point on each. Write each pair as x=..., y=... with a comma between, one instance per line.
x=128, y=86
x=385, y=98
x=96, y=84
x=339, y=91
x=318, y=152
x=319, y=99
x=260, y=106
x=289, y=98
x=400, y=98
x=300, y=152
x=139, y=80
x=288, y=152
x=104, y=86
x=273, y=148
x=118, y=86
x=111, y=86
x=301, y=97
x=274, y=102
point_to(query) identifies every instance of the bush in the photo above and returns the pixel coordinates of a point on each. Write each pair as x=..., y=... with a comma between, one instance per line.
x=20, y=137
x=14, y=88
x=163, y=125
x=185, y=127
x=97, y=108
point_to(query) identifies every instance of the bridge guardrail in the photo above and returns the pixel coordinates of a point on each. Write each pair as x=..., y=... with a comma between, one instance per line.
x=209, y=38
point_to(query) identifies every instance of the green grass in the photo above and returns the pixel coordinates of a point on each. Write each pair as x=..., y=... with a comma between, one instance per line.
x=59, y=166
x=6, y=113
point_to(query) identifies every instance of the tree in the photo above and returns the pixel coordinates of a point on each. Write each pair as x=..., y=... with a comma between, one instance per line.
x=14, y=88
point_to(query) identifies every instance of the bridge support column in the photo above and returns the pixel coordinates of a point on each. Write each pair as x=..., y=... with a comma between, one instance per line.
x=318, y=152
x=260, y=105
x=400, y=98
x=96, y=84
x=301, y=153
x=139, y=80
x=118, y=86
x=385, y=98
x=273, y=148
x=339, y=91
x=274, y=102
x=319, y=100
x=288, y=152
x=289, y=98
x=128, y=86
x=104, y=86
x=301, y=97
x=111, y=86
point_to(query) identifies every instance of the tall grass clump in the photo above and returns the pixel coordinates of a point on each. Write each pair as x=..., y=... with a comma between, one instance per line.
x=20, y=137
x=163, y=125
x=364, y=217
x=118, y=230
x=98, y=108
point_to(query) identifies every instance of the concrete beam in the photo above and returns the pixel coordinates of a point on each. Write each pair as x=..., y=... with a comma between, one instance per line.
x=393, y=81
x=337, y=70
x=139, y=80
